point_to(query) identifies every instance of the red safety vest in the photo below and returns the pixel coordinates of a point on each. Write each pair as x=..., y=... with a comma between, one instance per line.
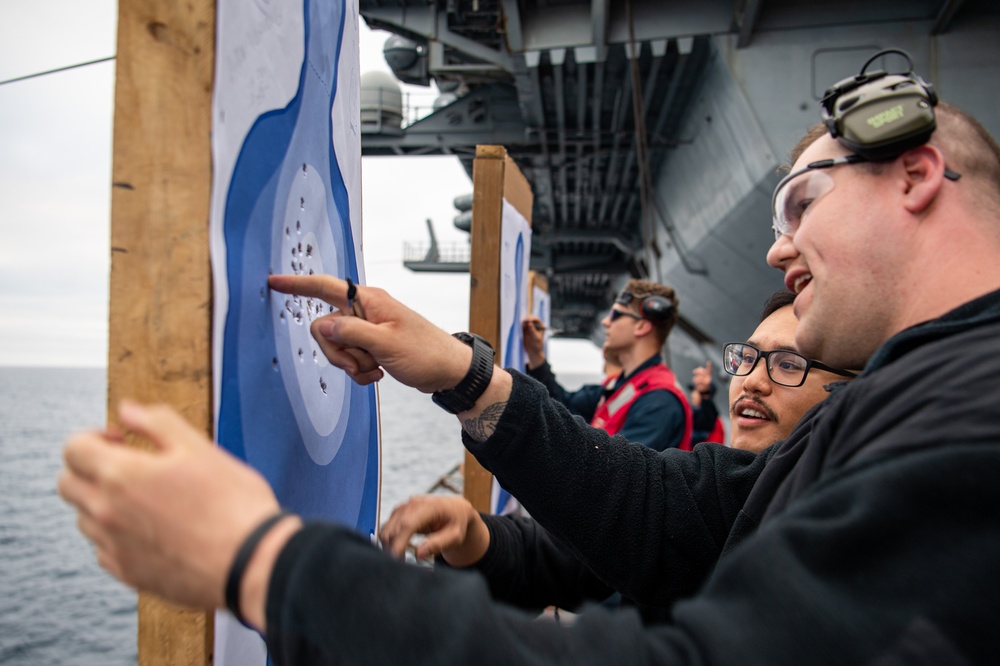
x=612, y=410
x=718, y=434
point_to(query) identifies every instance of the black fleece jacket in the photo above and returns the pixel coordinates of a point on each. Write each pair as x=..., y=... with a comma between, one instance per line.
x=870, y=536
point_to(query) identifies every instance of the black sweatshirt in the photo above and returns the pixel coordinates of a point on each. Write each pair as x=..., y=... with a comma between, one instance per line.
x=870, y=536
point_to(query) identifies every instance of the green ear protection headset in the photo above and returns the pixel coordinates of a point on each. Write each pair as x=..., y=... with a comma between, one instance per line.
x=879, y=115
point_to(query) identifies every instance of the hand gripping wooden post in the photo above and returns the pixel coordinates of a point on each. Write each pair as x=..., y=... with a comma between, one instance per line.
x=495, y=177
x=159, y=346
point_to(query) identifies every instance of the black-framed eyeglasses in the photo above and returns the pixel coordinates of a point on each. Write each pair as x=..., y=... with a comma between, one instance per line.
x=784, y=367
x=617, y=314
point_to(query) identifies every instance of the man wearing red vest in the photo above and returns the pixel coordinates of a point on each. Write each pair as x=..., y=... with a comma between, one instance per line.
x=643, y=403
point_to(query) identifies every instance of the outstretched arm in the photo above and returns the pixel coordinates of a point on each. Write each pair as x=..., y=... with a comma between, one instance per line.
x=332, y=598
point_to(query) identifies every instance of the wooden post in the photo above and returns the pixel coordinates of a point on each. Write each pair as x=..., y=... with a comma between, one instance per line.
x=536, y=279
x=161, y=292
x=495, y=177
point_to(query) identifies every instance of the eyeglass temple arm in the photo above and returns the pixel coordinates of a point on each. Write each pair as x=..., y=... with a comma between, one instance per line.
x=836, y=371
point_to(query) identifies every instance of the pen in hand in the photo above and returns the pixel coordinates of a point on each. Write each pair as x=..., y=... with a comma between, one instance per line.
x=353, y=306
x=539, y=326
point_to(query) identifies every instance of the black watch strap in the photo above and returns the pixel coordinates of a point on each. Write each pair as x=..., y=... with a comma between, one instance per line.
x=463, y=397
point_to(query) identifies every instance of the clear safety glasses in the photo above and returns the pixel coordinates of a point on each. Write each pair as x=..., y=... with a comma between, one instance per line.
x=799, y=190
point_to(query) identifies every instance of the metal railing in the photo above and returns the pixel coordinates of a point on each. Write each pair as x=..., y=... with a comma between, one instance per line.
x=443, y=253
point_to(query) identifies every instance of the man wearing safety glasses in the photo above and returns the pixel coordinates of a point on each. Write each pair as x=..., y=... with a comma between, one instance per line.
x=871, y=535
x=642, y=404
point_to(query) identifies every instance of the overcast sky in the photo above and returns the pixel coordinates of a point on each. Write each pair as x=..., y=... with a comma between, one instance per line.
x=55, y=171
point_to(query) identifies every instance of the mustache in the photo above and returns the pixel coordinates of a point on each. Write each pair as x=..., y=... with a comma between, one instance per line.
x=761, y=406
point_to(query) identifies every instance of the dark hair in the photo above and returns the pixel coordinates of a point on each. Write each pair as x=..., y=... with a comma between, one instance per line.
x=779, y=299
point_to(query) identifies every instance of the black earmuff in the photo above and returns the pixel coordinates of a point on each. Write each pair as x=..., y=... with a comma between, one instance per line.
x=880, y=115
x=656, y=308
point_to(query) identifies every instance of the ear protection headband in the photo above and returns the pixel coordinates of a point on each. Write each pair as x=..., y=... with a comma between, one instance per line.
x=654, y=308
x=880, y=115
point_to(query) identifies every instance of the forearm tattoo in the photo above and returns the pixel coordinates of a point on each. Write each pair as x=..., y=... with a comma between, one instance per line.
x=481, y=427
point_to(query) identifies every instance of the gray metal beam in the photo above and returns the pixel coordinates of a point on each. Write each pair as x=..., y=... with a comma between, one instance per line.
x=473, y=48
x=581, y=120
x=588, y=264
x=745, y=21
x=621, y=241
x=512, y=25
x=945, y=16
x=599, y=20
x=595, y=174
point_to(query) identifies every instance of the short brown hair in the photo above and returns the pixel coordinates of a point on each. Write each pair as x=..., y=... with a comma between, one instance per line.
x=811, y=136
x=971, y=151
x=640, y=289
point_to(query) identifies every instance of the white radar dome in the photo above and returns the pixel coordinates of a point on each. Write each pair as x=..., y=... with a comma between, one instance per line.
x=381, y=100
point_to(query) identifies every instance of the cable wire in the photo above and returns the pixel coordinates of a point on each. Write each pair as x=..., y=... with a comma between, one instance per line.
x=57, y=70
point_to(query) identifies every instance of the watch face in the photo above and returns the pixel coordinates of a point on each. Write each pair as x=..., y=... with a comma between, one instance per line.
x=470, y=338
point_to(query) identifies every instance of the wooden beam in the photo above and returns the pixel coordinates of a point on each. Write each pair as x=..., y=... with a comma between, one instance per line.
x=495, y=177
x=536, y=279
x=161, y=294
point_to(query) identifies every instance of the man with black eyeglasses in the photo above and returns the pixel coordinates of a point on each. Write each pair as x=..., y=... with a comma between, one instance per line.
x=773, y=385
x=642, y=404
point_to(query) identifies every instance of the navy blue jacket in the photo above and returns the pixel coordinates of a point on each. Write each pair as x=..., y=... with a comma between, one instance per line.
x=655, y=419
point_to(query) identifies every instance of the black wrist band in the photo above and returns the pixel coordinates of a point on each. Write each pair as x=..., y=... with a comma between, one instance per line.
x=243, y=555
x=476, y=380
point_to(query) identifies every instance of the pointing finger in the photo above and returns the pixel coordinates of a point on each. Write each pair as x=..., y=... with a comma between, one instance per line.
x=330, y=289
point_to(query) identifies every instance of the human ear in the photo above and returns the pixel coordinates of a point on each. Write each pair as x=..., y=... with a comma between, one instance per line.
x=923, y=170
x=643, y=327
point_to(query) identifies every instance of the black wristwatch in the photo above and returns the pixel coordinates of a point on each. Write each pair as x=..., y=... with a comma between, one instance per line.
x=463, y=397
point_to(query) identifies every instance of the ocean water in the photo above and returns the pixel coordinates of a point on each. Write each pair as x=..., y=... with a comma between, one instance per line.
x=56, y=605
